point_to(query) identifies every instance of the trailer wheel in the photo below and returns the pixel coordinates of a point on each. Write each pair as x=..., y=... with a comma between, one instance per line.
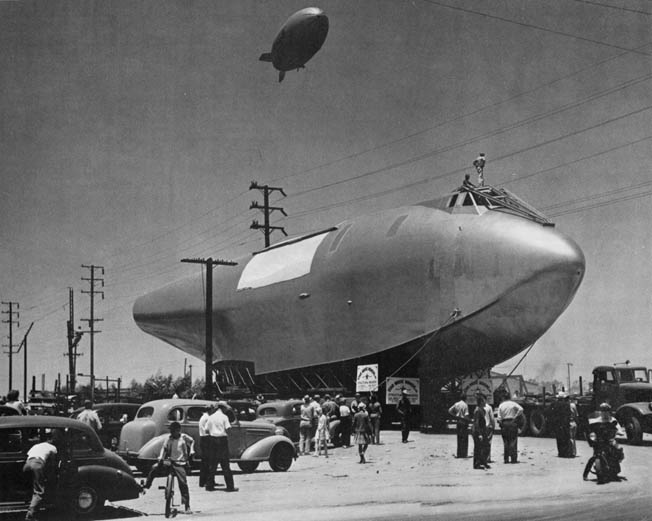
x=537, y=423
x=633, y=430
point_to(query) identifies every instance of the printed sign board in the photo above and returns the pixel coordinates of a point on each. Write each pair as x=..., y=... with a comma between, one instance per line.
x=367, y=378
x=396, y=385
x=478, y=383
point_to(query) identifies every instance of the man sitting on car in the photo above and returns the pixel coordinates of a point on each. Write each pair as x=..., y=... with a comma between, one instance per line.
x=178, y=449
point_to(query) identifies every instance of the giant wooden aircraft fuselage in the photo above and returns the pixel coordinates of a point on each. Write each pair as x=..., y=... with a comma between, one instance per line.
x=477, y=274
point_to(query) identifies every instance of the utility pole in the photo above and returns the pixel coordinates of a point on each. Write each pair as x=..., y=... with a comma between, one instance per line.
x=10, y=320
x=22, y=345
x=208, y=352
x=92, y=280
x=569, y=365
x=267, y=210
x=73, y=341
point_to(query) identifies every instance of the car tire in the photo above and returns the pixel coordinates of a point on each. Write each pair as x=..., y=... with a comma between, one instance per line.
x=85, y=499
x=281, y=458
x=633, y=430
x=248, y=466
x=537, y=423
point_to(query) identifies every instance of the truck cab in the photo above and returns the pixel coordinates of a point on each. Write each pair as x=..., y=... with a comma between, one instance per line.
x=629, y=392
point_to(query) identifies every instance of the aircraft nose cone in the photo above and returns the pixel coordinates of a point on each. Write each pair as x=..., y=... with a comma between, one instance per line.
x=544, y=269
x=174, y=313
x=513, y=279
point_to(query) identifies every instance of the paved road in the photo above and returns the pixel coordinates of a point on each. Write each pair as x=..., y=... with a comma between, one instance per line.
x=421, y=480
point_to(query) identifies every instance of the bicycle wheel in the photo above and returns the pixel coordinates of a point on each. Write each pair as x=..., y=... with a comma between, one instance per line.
x=169, y=494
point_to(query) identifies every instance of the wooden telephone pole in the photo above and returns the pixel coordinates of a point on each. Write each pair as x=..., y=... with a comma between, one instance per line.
x=208, y=350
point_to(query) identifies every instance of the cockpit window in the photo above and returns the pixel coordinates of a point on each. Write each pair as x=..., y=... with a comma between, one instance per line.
x=468, y=200
x=452, y=201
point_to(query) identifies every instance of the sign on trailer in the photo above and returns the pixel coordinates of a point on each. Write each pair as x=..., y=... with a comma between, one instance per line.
x=396, y=385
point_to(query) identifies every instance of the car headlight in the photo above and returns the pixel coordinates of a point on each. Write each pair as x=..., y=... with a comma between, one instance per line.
x=281, y=431
x=593, y=436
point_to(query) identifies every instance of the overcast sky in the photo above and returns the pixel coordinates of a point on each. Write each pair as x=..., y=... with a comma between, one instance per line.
x=130, y=131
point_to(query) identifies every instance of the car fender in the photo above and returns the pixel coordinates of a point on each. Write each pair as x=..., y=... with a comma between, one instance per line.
x=112, y=483
x=152, y=449
x=633, y=409
x=262, y=449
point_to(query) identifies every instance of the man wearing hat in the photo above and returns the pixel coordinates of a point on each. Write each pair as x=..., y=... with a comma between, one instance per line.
x=561, y=420
x=404, y=410
x=218, y=426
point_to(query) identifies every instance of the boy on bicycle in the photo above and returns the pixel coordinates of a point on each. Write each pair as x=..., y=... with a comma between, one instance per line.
x=178, y=449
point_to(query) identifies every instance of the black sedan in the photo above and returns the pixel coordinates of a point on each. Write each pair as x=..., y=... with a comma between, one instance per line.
x=87, y=473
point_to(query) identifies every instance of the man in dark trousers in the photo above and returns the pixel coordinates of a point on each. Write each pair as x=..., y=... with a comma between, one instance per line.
x=460, y=411
x=218, y=427
x=175, y=456
x=561, y=419
x=510, y=414
x=204, y=445
x=404, y=409
x=480, y=446
x=41, y=467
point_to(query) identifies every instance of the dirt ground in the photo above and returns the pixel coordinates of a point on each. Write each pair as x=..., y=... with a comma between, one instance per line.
x=422, y=480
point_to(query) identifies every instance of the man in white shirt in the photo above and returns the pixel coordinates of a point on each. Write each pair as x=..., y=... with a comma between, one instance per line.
x=460, y=411
x=509, y=414
x=218, y=426
x=204, y=444
x=40, y=458
x=491, y=427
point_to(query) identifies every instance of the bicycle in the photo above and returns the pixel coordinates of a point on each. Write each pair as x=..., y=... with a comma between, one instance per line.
x=170, y=510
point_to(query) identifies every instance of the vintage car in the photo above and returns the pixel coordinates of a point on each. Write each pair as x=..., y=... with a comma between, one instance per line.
x=87, y=473
x=243, y=409
x=113, y=417
x=284, y=413
x=8, y=410
x=250, y=442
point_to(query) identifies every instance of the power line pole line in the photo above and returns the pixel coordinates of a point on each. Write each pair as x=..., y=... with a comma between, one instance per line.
x=23, y=344
x=92, y=280
x=11, y=320
x=267, y=210
x=208, y=349
x=73, y=341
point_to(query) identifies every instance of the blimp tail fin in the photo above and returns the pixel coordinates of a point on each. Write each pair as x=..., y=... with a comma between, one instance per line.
x=281, y=75
x=266, y=57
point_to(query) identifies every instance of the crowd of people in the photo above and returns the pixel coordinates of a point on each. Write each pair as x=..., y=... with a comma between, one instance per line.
x=563, y=417
x=328, y=421
x=333, y=421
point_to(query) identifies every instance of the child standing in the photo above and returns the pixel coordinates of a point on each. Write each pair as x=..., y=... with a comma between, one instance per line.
x=322, y=433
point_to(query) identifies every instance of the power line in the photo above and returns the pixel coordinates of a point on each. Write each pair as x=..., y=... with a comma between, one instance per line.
x=537, y=27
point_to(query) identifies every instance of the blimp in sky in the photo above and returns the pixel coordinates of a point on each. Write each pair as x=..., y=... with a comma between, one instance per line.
x=298, y=40
x=431, y=290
